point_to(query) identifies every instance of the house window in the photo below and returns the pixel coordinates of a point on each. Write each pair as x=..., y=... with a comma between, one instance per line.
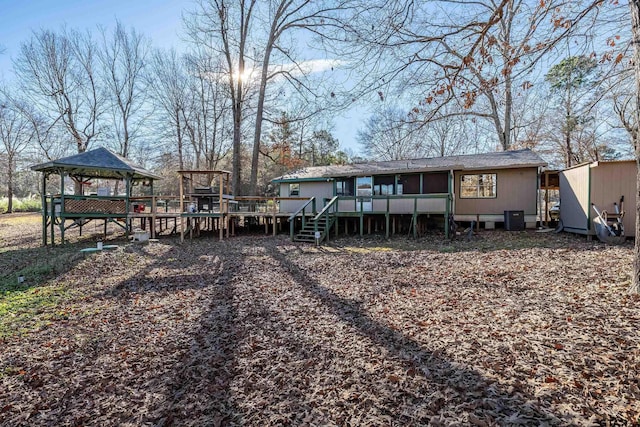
x=409, y=184
x=435, y=182
x=478, y=186
x=384, y=185
x=344, y=187
x=294, y=189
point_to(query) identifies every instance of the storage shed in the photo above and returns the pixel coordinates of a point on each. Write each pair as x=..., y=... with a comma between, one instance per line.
x=601, y=183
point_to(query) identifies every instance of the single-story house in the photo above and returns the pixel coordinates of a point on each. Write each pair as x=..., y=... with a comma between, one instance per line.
x=476, y=187
x=602, y=184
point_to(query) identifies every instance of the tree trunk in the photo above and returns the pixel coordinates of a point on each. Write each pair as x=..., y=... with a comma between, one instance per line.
x=10, y=185
x=634, y=5
x=508, y=106
x=567, y=146
x=179, y=138
x=257, y=136
x=237, y=148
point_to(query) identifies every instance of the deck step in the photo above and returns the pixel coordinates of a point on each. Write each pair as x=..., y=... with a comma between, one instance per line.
x=308, y=233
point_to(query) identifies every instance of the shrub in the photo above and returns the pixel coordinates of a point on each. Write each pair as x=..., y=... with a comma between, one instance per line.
x=27, y=204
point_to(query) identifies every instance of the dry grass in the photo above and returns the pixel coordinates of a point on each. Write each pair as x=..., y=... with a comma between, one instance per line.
x=509, y=329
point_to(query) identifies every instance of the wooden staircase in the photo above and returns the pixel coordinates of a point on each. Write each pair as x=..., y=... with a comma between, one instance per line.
x=320, y=223
x=308, y=232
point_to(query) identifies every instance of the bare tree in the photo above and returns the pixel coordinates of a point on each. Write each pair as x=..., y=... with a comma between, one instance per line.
x=123, y=56
x=387, y=135
x=288, y=16
x=223, y=27
x=15, y=135
x=58, y=76
x=209, y=111
x=447, y=135
x=474, y=57
x=250, y=35
x=168, y=86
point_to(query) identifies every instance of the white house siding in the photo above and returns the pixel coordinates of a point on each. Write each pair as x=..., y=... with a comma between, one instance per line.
x=320, y=190
x=432, y=205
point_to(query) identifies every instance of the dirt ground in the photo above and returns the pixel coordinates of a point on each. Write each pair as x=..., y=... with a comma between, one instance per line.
x=511, y=328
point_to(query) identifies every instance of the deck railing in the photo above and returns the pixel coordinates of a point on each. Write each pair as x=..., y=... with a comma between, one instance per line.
x=395, y=204
x=302, y=211
x=328, y=212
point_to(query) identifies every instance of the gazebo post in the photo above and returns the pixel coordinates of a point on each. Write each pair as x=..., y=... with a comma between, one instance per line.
x=152, y=220
x=62, y=219
x=127, y=220
x=43, y=199
x=181, y=207
x=220, y=208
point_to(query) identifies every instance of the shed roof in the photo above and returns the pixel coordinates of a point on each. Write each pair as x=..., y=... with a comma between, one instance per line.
x=98, y=163
x=498, y=160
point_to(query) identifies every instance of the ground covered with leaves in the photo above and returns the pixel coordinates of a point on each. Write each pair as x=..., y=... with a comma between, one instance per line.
x=510, y=328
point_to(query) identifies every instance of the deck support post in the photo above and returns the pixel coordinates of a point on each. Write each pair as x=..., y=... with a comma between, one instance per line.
x=273, y=219
x=387, y=224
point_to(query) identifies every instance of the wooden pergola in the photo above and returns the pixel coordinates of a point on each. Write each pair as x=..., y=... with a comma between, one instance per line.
x=79, y=208
x=204, y=198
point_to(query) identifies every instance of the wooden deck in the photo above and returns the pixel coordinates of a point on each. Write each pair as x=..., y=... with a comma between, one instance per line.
x=159, y=215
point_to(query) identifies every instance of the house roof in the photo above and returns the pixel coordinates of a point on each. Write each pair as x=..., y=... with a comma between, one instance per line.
x=499, y=160
x=98, y=163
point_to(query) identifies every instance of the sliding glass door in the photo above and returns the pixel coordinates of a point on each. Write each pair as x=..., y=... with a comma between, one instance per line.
x=364, y=191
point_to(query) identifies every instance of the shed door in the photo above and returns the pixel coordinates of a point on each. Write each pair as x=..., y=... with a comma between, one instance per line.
x=364, y=191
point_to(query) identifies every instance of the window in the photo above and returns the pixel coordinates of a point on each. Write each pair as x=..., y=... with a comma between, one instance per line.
x=409, y=184
x=478, y=186
x=344, y=187
x=384, y=185
x=435, y=182
x=294, y=189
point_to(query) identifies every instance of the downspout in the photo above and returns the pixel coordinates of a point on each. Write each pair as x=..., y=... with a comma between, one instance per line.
x=452, y=193
x=539, y=196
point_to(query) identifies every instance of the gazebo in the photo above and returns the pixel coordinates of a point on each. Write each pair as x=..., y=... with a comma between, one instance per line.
x=79, y=208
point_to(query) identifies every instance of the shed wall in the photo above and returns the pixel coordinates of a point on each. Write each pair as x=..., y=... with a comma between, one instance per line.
x=516, y=189
x=574, y=199
x=609, y=181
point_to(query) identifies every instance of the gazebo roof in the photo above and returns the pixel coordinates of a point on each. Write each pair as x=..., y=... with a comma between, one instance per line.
x=98, y=163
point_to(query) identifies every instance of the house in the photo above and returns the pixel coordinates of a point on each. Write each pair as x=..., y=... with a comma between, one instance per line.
x=477, y=187
x=601, y=184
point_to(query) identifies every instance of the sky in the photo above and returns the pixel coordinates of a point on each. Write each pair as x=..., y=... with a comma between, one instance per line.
x=161, y=20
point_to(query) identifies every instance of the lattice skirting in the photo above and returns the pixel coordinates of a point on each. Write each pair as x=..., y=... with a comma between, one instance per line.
x=95, y=206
